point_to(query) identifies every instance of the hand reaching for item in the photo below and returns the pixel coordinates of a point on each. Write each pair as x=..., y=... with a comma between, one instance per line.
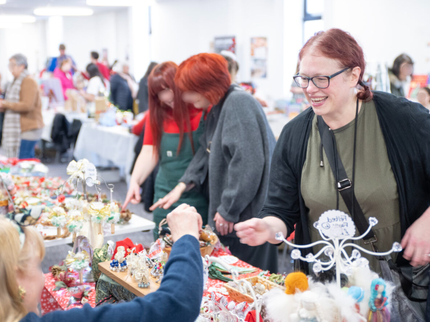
x=172, y=197
x=253, y=232
x=133, y=195
x=416, y=242
x=223, y=226
x=184, y=220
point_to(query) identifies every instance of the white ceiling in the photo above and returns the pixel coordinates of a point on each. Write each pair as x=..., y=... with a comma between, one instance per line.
x=26, y=7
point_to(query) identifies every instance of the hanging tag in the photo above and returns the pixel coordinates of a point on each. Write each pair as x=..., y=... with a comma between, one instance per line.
x=90, y=174
x=336, y=224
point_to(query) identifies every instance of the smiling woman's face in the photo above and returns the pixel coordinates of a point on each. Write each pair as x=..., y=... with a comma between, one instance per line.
x=330, y=100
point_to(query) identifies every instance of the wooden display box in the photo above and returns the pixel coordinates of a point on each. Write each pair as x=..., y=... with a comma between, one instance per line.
x=129, y=283
x=239, y=297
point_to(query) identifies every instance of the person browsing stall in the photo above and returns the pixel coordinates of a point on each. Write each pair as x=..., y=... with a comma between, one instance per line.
x=171, y=137
x=232, y=164
x=177, y=299
x=23, y=122
x=382, y=141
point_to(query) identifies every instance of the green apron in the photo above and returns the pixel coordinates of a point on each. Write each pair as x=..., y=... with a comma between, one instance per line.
x=172, y=168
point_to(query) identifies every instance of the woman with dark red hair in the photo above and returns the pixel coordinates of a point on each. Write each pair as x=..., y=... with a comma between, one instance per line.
x=232, y=164
x=165, y=142
x=364, y=153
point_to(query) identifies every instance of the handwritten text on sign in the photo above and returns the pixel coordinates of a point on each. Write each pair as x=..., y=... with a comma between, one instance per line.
x=335, y=224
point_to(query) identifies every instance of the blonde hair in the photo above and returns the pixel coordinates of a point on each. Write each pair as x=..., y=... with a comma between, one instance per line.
x=12, y=259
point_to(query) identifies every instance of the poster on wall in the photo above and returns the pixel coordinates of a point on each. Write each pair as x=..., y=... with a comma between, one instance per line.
x=225, y=43
x=259, y=57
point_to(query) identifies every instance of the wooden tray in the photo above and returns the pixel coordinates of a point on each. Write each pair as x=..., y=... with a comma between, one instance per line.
x=130, y=284
x=239, y=297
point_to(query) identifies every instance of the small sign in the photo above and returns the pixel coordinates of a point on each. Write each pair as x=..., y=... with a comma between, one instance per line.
x=335, y=224
x=169, y=154
x=90, y=172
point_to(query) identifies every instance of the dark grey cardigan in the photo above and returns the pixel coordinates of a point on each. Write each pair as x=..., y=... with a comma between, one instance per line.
x=406, y=129
x=236, y=170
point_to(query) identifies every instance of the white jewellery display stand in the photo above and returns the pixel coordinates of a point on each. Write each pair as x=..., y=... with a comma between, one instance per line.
x=335, y=228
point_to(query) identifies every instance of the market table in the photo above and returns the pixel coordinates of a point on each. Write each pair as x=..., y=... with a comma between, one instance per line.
x=48, y=119
x=106, y=147
x=136, y=224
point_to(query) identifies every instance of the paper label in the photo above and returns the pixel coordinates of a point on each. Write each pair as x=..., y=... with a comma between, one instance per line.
x=90, y=173
x=336, y=224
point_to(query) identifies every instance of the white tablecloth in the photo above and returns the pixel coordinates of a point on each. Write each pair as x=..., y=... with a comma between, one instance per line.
x=136, y=224
x=106, y=146
x=48, y=119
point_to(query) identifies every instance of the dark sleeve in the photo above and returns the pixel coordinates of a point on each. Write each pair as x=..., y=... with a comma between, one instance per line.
x=178, y=298
x=242, y=143
x=113, y=89
x=420, y=127
x=197, y=169
x=283, y=193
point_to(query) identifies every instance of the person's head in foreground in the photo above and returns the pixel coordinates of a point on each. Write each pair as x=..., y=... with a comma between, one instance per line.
x=21, y=276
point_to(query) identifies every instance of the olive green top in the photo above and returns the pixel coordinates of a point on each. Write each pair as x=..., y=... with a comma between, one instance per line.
x=375, y=185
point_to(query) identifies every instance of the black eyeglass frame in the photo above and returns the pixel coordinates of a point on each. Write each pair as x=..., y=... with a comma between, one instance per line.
x=312, y=78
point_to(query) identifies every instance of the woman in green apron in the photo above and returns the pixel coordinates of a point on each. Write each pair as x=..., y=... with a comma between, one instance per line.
x=171, y=137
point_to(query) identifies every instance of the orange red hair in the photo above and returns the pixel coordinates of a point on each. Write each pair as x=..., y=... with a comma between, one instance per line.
x=206, y=74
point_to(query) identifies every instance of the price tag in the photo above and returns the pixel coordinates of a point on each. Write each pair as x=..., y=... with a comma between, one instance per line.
x=336, y=224
x=90, y=174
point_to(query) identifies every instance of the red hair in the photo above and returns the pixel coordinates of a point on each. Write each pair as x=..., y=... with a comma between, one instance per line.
x=340, y=45
x=206, y=74
x=162, y=77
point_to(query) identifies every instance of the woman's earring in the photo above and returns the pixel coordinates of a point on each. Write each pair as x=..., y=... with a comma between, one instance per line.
x=21, y=292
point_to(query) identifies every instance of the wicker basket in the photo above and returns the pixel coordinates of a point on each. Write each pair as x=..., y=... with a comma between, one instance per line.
x=239, y=297
x=207, y=250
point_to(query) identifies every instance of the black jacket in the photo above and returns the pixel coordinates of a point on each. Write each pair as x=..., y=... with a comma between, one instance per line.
x=120, y=93
x=406, y=129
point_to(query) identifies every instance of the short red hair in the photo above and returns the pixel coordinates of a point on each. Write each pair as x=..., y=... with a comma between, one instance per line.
x=340, y=45
x=206, y=74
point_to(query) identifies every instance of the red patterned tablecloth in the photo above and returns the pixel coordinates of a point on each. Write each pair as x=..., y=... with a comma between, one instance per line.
x=62, y=300
x=217, y=287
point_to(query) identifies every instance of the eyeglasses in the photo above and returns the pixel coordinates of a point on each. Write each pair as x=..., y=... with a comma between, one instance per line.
x=319, y=81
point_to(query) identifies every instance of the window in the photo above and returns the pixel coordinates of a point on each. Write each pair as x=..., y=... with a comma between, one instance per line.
x=312, y=18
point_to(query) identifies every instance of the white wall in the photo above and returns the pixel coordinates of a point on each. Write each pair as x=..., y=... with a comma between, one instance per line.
x=184, y=28
x=94, y=33
x=385, y=28
x=30, y=40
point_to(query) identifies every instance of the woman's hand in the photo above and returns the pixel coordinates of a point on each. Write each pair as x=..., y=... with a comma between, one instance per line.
x=223, y=226
x=254, y=232
x=172, y=197
x=184, y=220
x=416, y=242
x=133, y=194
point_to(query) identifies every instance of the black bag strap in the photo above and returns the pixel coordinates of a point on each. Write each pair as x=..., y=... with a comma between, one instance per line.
x=344, y=186
x=343, y=183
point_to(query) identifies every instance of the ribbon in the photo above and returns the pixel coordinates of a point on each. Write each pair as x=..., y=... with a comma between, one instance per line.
x=76, y=169
x=77, y=261
x=58, y=217
x=99, y=212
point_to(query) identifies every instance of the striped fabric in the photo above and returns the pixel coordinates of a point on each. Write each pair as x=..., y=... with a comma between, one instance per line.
x=11, y=140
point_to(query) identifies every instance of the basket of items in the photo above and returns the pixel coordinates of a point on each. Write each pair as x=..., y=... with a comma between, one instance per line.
x=207, y=239
x=259, y=284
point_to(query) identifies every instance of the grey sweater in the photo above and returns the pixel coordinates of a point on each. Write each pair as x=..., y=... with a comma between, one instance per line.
x=236, y=170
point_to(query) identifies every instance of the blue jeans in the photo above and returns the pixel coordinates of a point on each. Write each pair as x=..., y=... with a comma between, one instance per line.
x=27, y=149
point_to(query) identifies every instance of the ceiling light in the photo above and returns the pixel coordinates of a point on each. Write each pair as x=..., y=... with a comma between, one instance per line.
x=111, y=3
x=63, y=11
x=2, y=1
x=17, y=18
x=10, y=25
